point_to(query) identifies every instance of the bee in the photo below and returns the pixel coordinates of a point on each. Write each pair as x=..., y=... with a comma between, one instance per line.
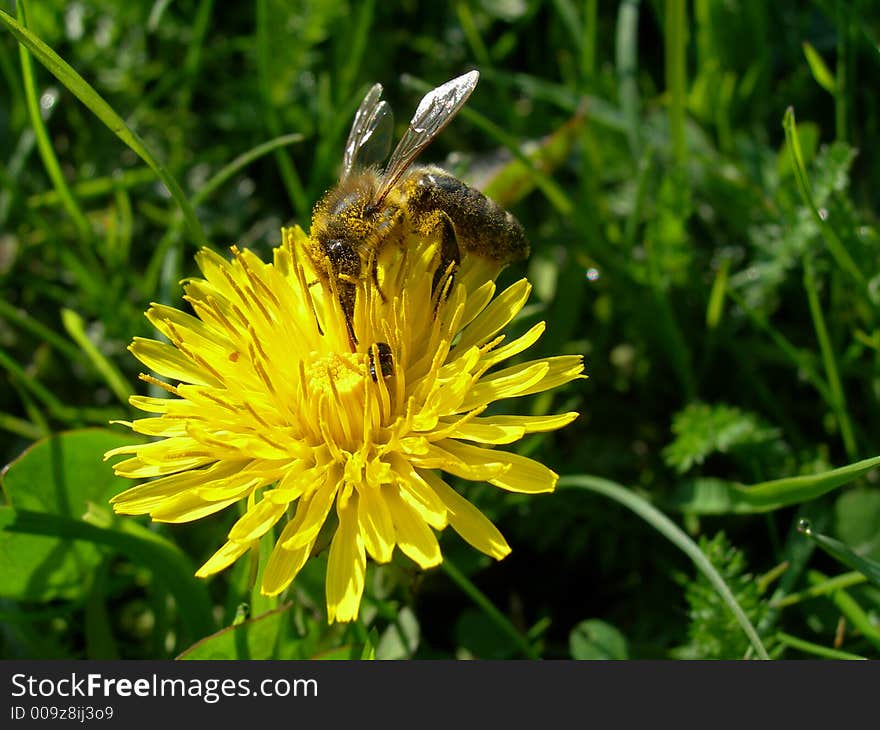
x=370, y=209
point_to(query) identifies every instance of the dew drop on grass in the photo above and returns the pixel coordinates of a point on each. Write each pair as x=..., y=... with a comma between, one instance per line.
x=593, y=274
x=48, y=99
x=804, y=526
x=823, y=214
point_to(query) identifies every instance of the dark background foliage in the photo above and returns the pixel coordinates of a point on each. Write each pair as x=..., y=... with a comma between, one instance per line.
x=642, y=146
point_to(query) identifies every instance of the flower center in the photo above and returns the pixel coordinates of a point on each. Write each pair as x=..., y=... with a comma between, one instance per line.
x=337, y=374
x=336, y=388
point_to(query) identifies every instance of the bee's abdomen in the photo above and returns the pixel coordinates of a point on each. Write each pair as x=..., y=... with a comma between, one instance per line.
x=482, y=227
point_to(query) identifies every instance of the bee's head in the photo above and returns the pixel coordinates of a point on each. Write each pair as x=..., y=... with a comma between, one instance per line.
x=346, y=212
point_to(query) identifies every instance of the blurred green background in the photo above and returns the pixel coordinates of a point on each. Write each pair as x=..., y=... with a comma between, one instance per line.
x=717, y=268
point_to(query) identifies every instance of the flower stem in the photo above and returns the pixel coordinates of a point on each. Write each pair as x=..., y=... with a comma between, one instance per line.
x=498, y=618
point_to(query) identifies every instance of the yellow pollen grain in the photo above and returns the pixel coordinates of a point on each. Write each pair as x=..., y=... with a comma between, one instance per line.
x=337, y=379
x=340, y=372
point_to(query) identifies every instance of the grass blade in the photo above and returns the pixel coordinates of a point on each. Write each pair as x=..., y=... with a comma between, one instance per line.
x=843, y=553
x=808, y=647
x=498, y=618
x=821, y=588
x=96, y=187
x=676, y=535
x=829, y=361
x=151, y=277
x=44, y=145
x=80, y=88
x=821, y=73
x=835, y=245
x=850, y=609
x=31, y=324
x=708, y=496
x=75, y=327
x=20, y=427
x=675, y=40
x=626, y=60
x=289, y=175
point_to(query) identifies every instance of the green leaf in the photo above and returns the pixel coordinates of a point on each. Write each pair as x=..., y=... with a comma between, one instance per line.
x=481, y=637
x=713, y=632
x=716, y=496
x=35, y=568
x=702, y=429
x=820, y=71
x=401, y=639
x=141, y=545
x=843, y=553
x=50, y=543
x=252, y=639
x=595, y=639
x=59, y=475
x=62, y=474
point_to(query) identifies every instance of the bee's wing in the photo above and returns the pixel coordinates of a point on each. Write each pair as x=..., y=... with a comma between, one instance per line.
x=434, y=112
x=370, y=137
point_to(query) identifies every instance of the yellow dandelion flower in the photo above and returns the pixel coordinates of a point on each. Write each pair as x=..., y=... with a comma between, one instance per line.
x=274, y=407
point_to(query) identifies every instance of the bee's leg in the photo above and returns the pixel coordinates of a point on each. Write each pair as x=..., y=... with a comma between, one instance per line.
x=346, y=293
x=450, y=255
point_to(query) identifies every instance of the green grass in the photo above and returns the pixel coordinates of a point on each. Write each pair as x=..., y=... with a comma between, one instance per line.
x=712, y=162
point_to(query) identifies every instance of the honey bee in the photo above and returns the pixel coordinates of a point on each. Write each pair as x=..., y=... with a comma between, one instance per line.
x=369, y=210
